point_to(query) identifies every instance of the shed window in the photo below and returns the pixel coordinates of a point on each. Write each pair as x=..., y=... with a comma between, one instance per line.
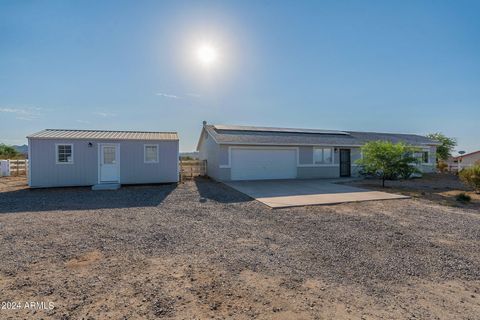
x=151, y=153
x=322, y=156
x=64, y=153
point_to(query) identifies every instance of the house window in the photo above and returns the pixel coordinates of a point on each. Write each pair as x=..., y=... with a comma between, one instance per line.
x=322, y=156
x=64, y=153
x=151, y=153
x=425, y=157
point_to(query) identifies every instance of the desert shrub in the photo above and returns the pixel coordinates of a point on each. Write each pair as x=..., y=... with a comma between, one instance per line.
x=406, y=169
x=442, y=166
x=463, y=197
x=388, y=160
x=471, y=177
x=8, y=152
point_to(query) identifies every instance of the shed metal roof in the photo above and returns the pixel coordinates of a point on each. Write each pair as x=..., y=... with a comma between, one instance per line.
x=283, y=136
x=103, y=135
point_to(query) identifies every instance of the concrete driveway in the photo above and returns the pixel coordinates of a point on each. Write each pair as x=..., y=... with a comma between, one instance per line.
x=292, y=193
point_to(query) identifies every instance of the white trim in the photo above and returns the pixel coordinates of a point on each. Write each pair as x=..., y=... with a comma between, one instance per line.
x=56, y=153
x=145, y=152
x=99, y=158
x=178, y=162
x=29, y=164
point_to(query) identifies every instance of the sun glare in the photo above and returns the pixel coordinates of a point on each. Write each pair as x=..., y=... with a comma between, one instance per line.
x=207, y=55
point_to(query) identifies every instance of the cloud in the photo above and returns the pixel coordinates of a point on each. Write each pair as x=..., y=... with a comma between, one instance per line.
x=16, y=111
x=105, y=114
x=26, y=118
x=27, y=114
x=166, y=95
x=83, y=121
x=173, y=96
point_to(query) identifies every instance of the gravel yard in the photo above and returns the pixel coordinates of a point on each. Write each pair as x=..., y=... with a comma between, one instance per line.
x=202, y=250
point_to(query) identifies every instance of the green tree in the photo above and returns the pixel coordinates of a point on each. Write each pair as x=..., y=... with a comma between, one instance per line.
x=8, y=152
x=388, y=160
x=471, y=177
x=444, y=151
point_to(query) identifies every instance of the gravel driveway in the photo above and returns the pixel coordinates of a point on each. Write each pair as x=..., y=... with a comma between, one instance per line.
x=203, y=250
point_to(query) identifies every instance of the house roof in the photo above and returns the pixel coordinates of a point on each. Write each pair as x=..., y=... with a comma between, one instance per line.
x=466, y=154
x=103, y=135
x=224, y=134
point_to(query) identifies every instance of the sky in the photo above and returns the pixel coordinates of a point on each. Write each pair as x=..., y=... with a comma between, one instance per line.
x=388, y=66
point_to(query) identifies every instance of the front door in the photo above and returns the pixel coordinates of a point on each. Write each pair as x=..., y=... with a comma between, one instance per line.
x=109, y=163
x=345, y=163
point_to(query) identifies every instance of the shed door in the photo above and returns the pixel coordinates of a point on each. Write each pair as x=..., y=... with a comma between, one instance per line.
x=109, y=163
x=262, y=164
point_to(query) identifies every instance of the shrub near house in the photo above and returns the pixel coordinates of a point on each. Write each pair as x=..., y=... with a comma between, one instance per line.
x=471, y=177
x=388, y=160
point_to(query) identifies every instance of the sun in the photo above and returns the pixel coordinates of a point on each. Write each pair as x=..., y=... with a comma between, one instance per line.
x=207, y=55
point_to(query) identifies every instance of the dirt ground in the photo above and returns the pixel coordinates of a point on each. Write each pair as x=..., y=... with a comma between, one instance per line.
x=13, y=183
x=201, y=250
x=439, y=188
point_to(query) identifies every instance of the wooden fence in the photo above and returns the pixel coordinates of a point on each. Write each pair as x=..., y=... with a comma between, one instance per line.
x=189, y=169
x=15, y=167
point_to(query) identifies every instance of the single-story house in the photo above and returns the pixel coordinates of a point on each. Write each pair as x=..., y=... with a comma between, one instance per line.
x=255, y=153
x=60, y=158
x=463, y=161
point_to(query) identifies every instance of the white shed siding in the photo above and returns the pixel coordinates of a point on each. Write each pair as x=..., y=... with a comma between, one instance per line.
x=45, y=172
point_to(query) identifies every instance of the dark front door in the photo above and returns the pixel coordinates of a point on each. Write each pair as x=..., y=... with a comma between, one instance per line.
x=345, y=163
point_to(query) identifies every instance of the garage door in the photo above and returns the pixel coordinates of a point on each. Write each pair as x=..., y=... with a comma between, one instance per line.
x=262, y=164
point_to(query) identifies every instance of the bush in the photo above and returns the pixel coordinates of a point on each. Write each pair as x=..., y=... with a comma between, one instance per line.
x=442, y=166
x=388, y=160
x=463, y=197
x=406, y=170
x=471, y=177
x=8, y=152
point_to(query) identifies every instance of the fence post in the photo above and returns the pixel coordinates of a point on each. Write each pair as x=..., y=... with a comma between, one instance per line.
x=181, y=170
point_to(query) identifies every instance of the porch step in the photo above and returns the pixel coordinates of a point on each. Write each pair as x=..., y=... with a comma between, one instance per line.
x=106, y=186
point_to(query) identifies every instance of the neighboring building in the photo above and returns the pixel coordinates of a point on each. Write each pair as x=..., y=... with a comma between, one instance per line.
x=60, y=158
x=255, y=153
x=463, y=161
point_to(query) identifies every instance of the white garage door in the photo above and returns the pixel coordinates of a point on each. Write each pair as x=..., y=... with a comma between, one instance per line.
x=261, y=164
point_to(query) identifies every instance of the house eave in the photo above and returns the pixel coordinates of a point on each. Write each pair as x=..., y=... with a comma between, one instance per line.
x=303, y=144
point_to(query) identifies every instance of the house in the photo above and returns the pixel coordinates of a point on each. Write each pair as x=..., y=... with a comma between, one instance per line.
x=255, y=153
x=104, y=159
x=463, y=161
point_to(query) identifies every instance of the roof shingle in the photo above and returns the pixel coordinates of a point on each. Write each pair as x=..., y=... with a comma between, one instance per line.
x=283, y=136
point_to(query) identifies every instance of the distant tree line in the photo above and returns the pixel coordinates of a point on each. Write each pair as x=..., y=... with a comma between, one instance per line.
x=9, y=152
